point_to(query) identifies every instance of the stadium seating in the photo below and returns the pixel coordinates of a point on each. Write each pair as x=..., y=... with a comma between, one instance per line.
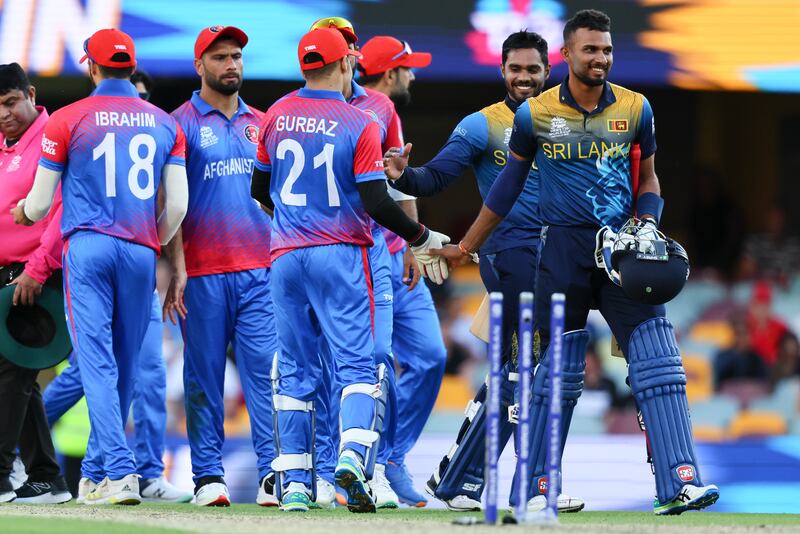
x=749, y=424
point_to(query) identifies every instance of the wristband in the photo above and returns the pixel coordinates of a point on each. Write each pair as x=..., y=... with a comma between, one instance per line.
x=421, y=237
x=463, y=250
x=650, y=204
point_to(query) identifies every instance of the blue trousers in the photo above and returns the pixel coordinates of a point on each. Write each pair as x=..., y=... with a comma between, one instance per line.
x=222, y=309
x=149, y=401
x=419, y=348
x=323, y=292
x=108, y=288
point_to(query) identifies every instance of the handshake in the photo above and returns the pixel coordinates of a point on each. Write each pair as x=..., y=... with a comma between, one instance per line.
x=435, y=257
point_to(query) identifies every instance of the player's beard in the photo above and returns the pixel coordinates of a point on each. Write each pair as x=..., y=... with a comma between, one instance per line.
x=590, y=80
x=223, y=88
x=401, y=98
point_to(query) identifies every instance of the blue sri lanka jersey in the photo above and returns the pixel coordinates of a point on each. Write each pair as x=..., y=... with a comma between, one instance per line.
x=482, y=140
x=111, y=148
x=584, y=157
x=317, y=148
x=225, y=230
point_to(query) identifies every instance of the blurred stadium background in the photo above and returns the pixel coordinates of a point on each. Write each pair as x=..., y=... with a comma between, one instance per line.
x=722, y=77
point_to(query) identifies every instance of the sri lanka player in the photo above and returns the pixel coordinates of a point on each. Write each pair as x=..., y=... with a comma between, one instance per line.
x=225, y=255
x=580, y=135
x=508, y=258
x=326, y=161
x=111, y=152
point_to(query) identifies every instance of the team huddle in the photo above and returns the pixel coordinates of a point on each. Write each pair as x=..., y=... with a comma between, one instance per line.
x=293, y=237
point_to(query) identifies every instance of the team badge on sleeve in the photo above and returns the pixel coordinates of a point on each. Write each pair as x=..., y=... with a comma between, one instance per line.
x=251, y=133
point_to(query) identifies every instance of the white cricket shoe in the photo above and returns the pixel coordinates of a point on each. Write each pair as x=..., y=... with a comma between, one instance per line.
x=122, y=491
x=266, y=492
x=385, y=497
x=85, y=487
x=326, y=494
x=212, y=494
x=566, y=504
x=161, y=490
x=18, y=475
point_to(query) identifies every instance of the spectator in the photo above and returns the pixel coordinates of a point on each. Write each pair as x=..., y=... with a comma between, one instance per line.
x=599, y=391
x=772, y=255
x=764, y=328
x=787, y=364
x=738, y=361
x=715, y=227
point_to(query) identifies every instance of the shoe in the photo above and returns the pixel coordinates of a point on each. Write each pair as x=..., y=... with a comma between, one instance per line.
x=566, y=504
x=122, y=491
x=689, y=498
x=211, y=491
x=85, y=487
x=7, y=493
x=459, y=503
x=326, y=495
x=18, y=476
x=350, y=476
x=53, y=492
x=296, y=498
x=403, y=485
x=160, y=490
x=385, y=497
x=266, y=491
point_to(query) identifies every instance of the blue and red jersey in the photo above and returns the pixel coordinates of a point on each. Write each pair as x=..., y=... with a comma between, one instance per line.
x=224, y=230
x=111, y=148
x=391, y=137
x=317, y=148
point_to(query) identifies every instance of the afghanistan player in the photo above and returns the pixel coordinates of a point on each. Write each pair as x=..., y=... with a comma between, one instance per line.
x=225, y=255
x=508, y=258
x=149, y=398
x=111, y=152
x=320, y=159
x=580, y=135
x=386, y=68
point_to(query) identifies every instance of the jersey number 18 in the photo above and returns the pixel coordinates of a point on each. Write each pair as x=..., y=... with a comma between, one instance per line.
x=141, y=164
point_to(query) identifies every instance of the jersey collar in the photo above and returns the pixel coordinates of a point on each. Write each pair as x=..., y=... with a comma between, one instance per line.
x=205, y=108
x=358, y=91
x=606, y=99
x=320, y=94
x=115, y=87
x=511, y=103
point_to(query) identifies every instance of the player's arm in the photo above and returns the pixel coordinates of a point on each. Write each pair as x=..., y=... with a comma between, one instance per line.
x=649, y=203
x=262, y=173
x=40, y=198
x=465, y=143
x=505, y=190
x=371, y=185
x=176, y=201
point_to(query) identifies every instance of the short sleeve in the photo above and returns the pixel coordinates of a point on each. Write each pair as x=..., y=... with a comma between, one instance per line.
x=647, y=131
x=368, y=160
x=523, y=141
x=177, y=156
x=55, y=144
x=262, y=156
x=394, y=132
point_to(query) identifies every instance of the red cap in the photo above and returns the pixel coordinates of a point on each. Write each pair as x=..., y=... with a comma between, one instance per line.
x=209, y=35
x=384, y=53
x=327, y=42
x=762, y=292
x=103, y=44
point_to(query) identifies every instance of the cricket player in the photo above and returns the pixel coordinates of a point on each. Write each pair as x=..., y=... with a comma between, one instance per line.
x=111, y=152
x=149, y=399
x=580, y=135
x=417, y=343
x=508, y=258
x=223, y=249
x=320, y=160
